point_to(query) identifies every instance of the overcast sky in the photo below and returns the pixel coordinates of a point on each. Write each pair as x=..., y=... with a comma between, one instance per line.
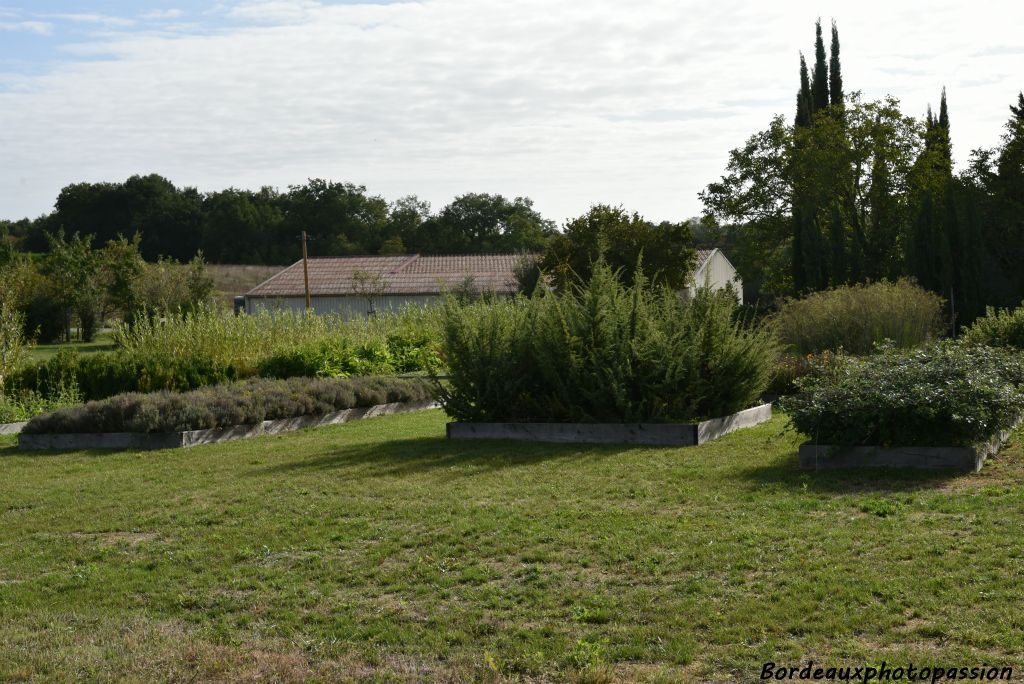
x=567, y=102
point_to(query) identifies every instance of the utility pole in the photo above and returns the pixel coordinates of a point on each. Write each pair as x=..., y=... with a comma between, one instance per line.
x=305, y=270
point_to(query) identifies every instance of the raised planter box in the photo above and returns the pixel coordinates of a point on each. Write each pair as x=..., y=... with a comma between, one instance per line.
x=191, y=438
x=11, y=428
x=656, y=434
x=959, y=459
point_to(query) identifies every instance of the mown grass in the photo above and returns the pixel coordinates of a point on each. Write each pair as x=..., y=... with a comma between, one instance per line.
x=378, y=550
x=42, y=352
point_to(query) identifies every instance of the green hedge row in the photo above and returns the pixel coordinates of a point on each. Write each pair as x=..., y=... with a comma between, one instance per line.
x=243, y=403
x=945, y=394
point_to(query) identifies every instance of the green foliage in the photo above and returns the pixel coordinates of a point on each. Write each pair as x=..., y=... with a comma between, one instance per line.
x=624, y=240
x=187, y=351
x=856, y=318
x=13, y=345
x=603, y=352
x=228, y=405
x=339, y=358
x=946, y=394
x=479, y=223
x=998, y=328
x=246, y=342
x=167, y=286
x=105, y=374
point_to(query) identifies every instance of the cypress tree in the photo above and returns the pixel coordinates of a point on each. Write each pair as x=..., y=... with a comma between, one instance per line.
x=942, y=129
x=799, y=269
x=819, y=79
x=837, y=236
x=803, y=97
x=835, y=75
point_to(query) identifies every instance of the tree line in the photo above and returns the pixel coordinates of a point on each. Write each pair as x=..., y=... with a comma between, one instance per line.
x=262, y=227
x=856, y=190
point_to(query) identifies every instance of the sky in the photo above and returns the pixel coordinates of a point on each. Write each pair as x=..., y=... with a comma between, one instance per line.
x=568, y=102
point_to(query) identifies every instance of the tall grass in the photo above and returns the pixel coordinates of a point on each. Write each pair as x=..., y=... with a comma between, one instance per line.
x=856, y=318
x=245, y=341
x=603, y=352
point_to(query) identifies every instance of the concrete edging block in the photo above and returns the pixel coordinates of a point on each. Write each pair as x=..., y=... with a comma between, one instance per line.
x=654, y=434
x=191, y=438
x=11, y=428
x=961, y=459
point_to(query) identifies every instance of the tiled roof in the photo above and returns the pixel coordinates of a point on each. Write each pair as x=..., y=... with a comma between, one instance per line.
x=702, y=258
x=395, y=275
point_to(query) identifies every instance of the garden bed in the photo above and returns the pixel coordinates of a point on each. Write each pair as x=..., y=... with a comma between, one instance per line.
x=191, y=438
x=659, y=434
x=959, y=459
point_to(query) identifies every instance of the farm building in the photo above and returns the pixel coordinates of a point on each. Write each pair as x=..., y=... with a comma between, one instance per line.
x=360, y=286
x=716, y=271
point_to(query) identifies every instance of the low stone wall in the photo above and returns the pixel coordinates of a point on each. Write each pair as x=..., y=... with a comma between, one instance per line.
x=173, y=440
x=653, y=434
x=11, y=428
x=958, y=459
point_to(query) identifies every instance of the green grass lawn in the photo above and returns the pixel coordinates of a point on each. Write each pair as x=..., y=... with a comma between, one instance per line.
x=42, y=352
x=377, y=550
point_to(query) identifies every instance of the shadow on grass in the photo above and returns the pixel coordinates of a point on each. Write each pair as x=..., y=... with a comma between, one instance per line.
x=432, y=454
x=788, y=474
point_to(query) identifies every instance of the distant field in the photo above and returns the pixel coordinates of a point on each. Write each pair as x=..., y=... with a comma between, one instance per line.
x=231, y=280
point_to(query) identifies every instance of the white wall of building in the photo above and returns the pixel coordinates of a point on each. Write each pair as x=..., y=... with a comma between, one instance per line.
x=717, y=272
x=347, y=306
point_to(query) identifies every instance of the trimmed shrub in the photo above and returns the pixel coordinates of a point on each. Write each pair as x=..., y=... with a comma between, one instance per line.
x=998, y=328
x=603, y=352
x=946, y=394
x=221, y=406
x=855, y=318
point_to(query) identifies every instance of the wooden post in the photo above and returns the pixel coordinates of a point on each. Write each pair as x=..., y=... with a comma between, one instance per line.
x=305, y=270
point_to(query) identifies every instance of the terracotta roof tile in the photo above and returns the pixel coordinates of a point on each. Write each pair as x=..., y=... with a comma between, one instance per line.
x=397, y=275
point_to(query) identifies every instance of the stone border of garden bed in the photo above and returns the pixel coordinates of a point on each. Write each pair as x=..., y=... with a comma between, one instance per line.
x=191, y=438
x=653, y=434
x=958, y=459
x=11, y=428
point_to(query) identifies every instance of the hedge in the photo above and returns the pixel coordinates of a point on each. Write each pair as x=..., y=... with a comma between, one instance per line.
x=945, y=394
x=220, y=406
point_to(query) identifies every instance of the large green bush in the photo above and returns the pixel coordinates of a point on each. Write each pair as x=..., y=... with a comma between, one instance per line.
x=998, y=328
x=603, y=352
x=857, y=317
x=220, y=406
x=946, y=394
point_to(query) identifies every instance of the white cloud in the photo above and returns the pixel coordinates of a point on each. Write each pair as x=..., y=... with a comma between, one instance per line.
x=41, y=28
x=274, y=11
x=568, y=102
x=86, y=18
x=162, y=15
